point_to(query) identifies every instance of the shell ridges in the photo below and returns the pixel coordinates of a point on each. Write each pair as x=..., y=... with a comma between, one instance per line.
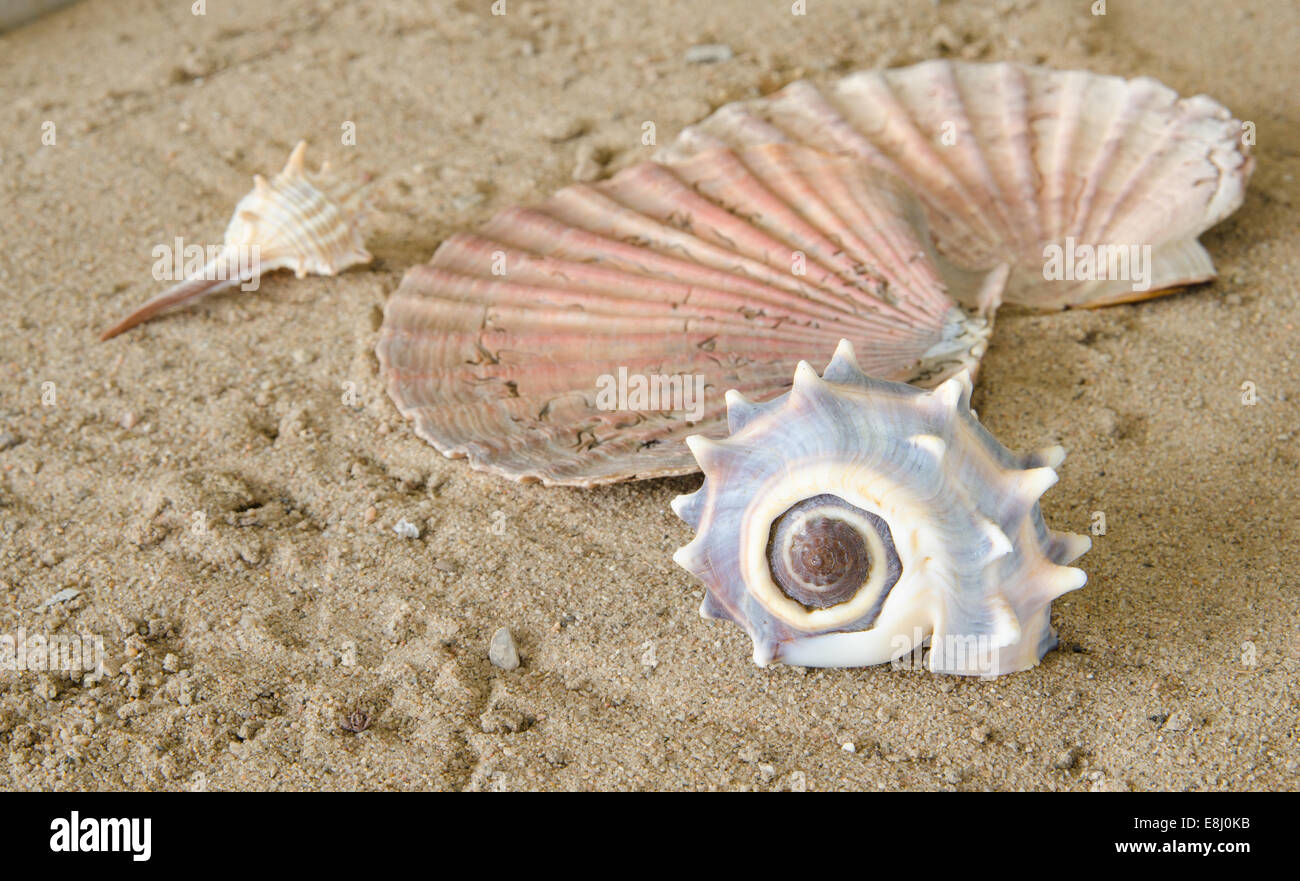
x=1011, y=159
x=726, y=268
x=974, y=567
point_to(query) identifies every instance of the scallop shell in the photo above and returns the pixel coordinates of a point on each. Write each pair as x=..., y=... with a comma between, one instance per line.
x=1010, y=159
x=851, y=520
x=291, y=221
x=724, y=269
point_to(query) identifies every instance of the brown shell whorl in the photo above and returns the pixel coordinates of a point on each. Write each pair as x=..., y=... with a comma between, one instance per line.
x=819, y=559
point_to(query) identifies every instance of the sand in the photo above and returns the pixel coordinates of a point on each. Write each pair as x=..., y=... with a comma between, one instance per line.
x=236, y=650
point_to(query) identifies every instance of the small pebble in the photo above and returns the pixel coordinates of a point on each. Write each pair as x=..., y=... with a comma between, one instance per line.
x=370, y=514
x=564, y=129
x=980, y=733
x=849, y=747
x=767, y=771
x=589, y=166
x=127, y=421
x=502, y=651
x=708, y=53
x=406, y=529
x=1066, y=760
x=171, y=663
x=8, y=439
x=61, y=597
x=944, y=39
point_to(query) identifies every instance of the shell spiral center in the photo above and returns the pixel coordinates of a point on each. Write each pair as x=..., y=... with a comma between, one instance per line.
x=820, y=555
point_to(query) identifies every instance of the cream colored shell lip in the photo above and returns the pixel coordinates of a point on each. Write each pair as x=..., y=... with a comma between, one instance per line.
x=872, y=493
x=289, y=222
x=979, y=567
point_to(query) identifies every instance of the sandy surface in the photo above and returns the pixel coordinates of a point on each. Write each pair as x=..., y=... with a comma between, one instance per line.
x=234, y=653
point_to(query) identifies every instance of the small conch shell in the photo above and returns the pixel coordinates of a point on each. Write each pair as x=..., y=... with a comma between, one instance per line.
x=286, y=223
x=854, y=520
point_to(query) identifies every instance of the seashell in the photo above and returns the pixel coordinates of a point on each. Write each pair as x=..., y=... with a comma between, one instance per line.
x=852, y=519
x=724, y=270
x=1010, y=160
x=289, y=222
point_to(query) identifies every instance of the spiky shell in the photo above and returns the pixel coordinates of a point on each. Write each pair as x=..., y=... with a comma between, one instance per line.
x=960, y=555
x=1010, y=159
x=730, y=267
x=297, y=223
x=290, y=222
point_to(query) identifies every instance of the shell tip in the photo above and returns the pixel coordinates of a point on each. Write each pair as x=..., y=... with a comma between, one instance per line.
x=804, y=375
x=1066, y=547
x=297, y=159
x=712, y=610
x=687, y=507
x=999, y=544
x=707, y=452
x=1066, y=579
x=954, y=393
x=1052, y=457
x=1033, y=482
x=845, y=353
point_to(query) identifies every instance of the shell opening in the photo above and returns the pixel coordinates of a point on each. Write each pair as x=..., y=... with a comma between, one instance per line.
x=824, y=551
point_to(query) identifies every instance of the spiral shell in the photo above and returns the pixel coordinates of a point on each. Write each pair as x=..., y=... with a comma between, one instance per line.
x=290, y=222
x=853, y=519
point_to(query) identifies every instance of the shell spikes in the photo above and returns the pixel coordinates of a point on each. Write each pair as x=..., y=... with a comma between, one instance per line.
x=854, y=521
x=286, y=223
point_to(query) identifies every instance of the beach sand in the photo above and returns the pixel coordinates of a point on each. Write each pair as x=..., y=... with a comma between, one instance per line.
x=228, y=520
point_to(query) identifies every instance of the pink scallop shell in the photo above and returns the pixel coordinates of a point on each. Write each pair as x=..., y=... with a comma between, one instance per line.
x=731, y=266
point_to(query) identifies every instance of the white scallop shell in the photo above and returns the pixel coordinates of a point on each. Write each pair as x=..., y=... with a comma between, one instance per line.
x=729, y=267
x=291, y=221
x=976, y=568
x=1009, y=159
